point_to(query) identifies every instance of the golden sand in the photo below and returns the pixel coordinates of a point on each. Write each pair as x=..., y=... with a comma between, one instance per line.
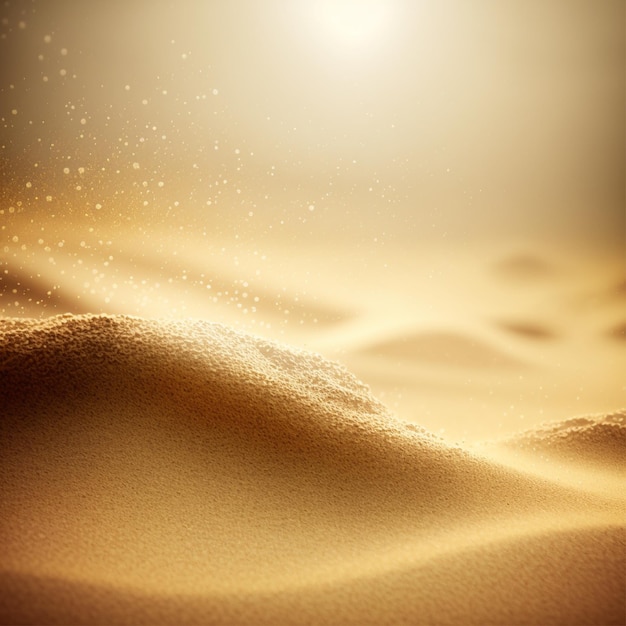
x=217, y=217
x=183, y=472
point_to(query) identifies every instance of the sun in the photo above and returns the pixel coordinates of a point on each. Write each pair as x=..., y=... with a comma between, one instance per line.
x=351, y=24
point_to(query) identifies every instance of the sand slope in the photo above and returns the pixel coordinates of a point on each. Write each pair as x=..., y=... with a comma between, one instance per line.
x=181, y=471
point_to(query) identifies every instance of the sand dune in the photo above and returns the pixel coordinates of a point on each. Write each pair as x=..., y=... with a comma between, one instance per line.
x=524, y=266
x=445, y=343
x=527, y=329
x=444, y=348
x=599, y=439
x=160, y=471
x=618, y=332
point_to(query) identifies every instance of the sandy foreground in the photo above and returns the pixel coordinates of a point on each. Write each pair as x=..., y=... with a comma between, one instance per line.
x=186, y=437
x=184, y=472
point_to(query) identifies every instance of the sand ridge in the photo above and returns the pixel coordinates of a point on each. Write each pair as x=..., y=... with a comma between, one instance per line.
x=149, y=461
x=596, y=439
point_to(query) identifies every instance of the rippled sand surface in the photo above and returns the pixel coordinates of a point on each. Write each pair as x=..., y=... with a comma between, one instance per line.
x=182, y=471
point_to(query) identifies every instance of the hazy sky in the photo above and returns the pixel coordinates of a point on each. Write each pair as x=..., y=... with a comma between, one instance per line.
x=430, y=119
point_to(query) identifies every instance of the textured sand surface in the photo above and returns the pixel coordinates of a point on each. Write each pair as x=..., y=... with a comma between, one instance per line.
x=160, y=472
x=599, y=440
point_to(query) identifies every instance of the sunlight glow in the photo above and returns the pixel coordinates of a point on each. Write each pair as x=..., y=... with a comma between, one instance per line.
x=353, y=23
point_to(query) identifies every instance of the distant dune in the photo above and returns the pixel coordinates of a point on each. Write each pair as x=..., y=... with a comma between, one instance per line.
x=528, y=330
x=443, y=348
x=524, y=266
x=599, y=439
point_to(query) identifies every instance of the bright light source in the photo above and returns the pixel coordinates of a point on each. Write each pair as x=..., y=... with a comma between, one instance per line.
x=352, y=23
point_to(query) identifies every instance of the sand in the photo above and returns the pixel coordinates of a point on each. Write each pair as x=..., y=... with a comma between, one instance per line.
x=312, y=312
x=170, y=471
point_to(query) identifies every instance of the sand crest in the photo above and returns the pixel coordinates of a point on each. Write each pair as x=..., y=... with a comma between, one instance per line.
x=597, y=439
x=159, y=472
